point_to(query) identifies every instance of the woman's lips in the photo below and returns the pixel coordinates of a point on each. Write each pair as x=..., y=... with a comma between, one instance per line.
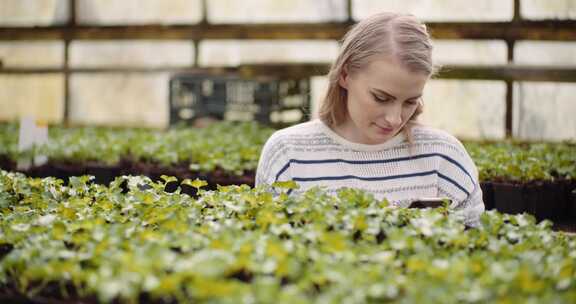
x=383, y=130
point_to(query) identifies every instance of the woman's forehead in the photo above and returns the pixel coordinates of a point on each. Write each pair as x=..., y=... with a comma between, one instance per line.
x=391, y=75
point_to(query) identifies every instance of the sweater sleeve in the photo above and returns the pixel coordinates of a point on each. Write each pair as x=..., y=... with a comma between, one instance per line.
x=273, y=164
x=458, y=179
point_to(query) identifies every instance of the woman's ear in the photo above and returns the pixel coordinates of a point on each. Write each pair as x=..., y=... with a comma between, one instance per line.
x=343, y=79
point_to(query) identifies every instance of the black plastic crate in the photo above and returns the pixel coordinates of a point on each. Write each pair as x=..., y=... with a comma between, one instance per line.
x=266, y=100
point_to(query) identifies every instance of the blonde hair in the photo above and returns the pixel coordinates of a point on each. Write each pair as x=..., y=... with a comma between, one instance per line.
x=400, y=36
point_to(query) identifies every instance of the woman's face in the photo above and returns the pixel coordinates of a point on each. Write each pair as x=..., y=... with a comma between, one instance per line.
x=381, y=99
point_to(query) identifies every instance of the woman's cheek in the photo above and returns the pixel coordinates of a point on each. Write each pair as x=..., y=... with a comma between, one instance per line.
x=408, y=113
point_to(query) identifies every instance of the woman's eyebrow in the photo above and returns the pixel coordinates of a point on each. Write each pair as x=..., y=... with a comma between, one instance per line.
x=379, y=91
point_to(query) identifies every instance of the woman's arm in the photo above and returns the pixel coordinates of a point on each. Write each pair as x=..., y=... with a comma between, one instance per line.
x=458, y=179
x=273, y=164
x=472, y=208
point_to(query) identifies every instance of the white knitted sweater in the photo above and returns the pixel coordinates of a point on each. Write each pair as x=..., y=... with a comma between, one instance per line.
x=436, y=165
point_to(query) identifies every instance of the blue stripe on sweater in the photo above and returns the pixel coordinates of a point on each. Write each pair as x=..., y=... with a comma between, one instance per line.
x=380, y=178
x=366, y=162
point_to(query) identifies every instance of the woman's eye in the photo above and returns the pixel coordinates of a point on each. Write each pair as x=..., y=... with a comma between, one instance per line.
x=380, y=99
x=411, y=102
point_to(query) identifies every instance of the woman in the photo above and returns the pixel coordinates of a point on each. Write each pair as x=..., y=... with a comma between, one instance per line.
x=367, y=136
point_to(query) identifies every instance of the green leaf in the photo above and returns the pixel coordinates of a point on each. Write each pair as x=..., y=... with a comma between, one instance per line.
x=168, y=179
x=197, y=183
x=290, y=185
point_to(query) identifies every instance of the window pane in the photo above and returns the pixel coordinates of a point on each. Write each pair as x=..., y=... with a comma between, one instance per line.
x=467, y=109
x=544, y=111
x=545, y=53
x=120, y=99
x=126, y=53
x=548, y=9
x=470, y=52
x=139, y=11
x=434, y=10
x=33, y=12
x=38, y=95
x=253, y=11
x=32, y=54
x=235, y=52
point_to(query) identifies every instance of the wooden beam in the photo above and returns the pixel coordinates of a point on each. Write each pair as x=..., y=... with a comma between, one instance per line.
x=517, y=11
x=505, y=72
x=134, y=70
x=285, y=70
x=188, y=32
x=67, y=73
x=349, y=11
x=560, y=30
x=509, y=112
x=509, y=72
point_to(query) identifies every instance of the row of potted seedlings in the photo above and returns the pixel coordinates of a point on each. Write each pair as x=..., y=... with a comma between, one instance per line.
x=537, y=178
x=132, y=242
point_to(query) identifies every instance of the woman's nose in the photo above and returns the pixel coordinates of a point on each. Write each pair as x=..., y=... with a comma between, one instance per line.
x=393, y=116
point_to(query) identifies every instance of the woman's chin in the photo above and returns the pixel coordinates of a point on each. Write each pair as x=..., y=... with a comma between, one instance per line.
x=380, y=136
x=377, y=139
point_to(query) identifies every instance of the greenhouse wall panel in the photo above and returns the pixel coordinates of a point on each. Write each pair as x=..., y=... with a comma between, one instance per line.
x=469, y=52
x=40, y=96
x=545, y=52
x=467, y=109
x=235, y=52
x=545, y=111
x=139, y=11
x=434, y=10
x=548, y=9
x=255, y=11
x=129, y=99
x=32, y=54
x=33, y=12
x=132, y=53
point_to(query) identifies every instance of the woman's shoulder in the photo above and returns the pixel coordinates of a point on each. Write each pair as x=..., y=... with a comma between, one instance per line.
x=434, y=140
x=424, y=132
x=297, y=132
x=430, y=135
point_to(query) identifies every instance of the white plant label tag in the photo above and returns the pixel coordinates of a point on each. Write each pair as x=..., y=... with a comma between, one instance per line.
x=31, y=134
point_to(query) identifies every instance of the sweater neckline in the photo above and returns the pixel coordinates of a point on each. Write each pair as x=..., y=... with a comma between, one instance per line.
x=394, y=141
